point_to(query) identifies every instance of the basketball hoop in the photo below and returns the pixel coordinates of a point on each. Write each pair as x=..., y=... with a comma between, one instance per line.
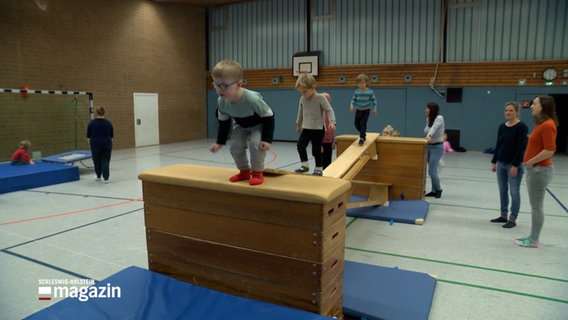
x=42, y=4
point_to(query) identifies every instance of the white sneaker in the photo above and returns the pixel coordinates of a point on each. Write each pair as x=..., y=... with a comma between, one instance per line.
x=106, y=181
x=98, y=179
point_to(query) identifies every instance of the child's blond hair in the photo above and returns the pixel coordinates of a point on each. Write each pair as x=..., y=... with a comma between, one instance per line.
x=228, y=69
x=306, y=81
x=388, y=130
x=24, y=144
x=363, y=78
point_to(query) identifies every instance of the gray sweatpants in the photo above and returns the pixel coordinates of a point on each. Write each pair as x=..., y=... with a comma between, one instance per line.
x=243, y=138
x=538, y=179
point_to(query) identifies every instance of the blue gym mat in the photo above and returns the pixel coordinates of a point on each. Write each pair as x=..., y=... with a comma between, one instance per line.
x=22, y=177
x=404, y=211
x=69, y=157
x=376, y=292
x=149, y=295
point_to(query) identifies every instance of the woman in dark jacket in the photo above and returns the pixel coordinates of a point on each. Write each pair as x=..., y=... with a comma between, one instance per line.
x=99, y=134
x=507, y=162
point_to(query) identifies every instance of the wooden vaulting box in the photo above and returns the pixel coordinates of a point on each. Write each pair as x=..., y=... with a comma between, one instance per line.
x=280, y=242
x=401, y=162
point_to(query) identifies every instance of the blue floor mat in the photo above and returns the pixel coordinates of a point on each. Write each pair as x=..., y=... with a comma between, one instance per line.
x=376, y=292
x=22, y=177
x=146, y=294
x=403, y=211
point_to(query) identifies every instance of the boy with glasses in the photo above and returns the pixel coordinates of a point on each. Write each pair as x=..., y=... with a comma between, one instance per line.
x=253, y=126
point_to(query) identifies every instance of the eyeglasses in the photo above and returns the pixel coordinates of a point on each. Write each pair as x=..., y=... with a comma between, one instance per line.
x=223, y=86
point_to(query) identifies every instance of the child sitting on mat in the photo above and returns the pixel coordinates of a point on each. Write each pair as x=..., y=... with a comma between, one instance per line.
x=253, y=126
x=21, y=155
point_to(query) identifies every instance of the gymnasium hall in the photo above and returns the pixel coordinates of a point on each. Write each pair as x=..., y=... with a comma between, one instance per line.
x=168, y=236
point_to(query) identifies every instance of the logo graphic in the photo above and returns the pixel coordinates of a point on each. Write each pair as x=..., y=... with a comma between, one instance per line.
x=44, y=293
x=80, y=289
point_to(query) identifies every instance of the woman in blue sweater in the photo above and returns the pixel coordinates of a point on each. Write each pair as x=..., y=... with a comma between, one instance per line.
x=507, y=162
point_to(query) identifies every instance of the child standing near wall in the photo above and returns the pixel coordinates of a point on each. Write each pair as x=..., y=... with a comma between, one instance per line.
x=362, y=102
x=21, y=155
x=447, y=145
x=447, y=148
x=253, y=126
x=310, y=123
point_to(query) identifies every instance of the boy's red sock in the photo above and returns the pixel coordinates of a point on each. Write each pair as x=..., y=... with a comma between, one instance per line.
x=242, y=175
x=257, y=178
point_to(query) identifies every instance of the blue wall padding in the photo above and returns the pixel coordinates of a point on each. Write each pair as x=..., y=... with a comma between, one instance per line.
x=477, y=117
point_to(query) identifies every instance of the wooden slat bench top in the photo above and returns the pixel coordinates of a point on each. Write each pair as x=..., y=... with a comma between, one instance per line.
x=294, y=187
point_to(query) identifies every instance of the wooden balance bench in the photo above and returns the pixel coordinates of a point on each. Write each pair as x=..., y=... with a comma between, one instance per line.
x=352, y=159
x=280, y=242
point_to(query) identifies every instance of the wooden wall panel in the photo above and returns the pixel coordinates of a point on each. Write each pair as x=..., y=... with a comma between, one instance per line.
x=493, y=74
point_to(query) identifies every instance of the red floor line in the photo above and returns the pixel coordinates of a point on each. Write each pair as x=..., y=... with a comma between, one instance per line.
x=68, y=213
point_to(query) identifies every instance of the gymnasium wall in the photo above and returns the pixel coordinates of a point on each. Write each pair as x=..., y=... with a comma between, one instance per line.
x=496, y=51
x=266, y=33
x=113, y=49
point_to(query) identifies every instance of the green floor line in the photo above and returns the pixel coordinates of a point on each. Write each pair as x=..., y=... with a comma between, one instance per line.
x=471, y=179
x=492, y=209
x=458, y=264
x=494, y=181
x=503, y=290
x=469, y=207
x=350, y=222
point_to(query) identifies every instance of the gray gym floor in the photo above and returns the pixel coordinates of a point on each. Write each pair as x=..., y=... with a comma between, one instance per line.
x=86, y=229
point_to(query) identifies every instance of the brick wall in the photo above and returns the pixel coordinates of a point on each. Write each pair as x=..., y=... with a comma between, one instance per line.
x=113, y=49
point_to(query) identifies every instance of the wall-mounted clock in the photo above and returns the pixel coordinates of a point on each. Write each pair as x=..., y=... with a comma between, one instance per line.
x=549, y=74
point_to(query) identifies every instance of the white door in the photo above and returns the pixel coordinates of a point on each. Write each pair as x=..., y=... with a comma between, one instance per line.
x=146, y=124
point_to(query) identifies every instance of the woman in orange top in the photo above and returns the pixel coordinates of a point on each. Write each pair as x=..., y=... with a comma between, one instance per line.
x=538, y=163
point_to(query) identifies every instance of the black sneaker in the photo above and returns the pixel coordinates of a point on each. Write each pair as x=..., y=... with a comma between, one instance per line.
x=361, y=141
x=510, y=224
x=430, y=194
x=501, y=219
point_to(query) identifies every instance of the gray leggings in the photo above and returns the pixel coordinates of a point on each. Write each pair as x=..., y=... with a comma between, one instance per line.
x=247, y=138
x=538, y=179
